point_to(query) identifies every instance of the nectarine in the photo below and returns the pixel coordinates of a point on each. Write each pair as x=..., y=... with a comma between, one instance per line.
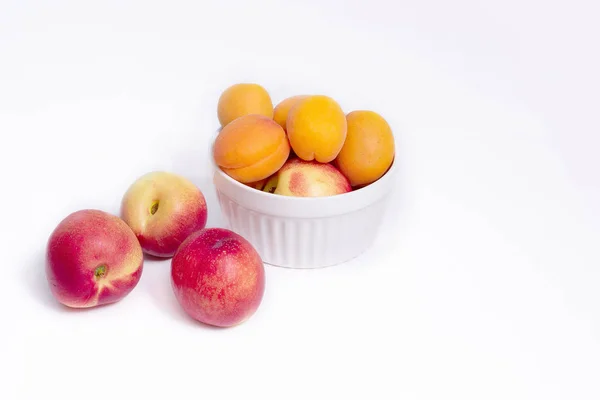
x=309, y=179
x=218, y=277
x=92, y=258
x=163, y=209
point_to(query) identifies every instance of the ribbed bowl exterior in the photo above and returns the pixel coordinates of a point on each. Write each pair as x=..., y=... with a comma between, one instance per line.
x=304, y=232
x=305, y=242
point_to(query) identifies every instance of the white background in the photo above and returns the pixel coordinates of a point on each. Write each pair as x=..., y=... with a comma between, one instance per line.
x=485, y=280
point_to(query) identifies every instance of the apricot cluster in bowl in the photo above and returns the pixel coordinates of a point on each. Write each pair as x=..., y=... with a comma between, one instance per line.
x=305, y=146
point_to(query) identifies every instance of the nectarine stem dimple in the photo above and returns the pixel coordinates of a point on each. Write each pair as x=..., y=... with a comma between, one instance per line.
x=100, y=271
x=154, y=207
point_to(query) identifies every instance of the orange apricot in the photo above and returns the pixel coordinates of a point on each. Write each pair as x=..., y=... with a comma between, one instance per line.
x=316, y=127
x=369, y=148
x=251, y=148
x=243, y=99
x=282, y=109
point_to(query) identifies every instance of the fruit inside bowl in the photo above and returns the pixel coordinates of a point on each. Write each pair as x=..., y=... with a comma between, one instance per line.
x=305, y=146
x=307, y=185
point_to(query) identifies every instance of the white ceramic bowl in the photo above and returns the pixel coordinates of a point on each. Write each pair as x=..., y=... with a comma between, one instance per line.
x=304, y=232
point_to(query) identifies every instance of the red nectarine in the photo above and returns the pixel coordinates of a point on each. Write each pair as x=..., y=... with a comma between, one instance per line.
x=92, y=258
x=218, y=277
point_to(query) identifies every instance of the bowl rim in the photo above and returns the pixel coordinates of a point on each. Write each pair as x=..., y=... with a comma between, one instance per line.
x=372, y=190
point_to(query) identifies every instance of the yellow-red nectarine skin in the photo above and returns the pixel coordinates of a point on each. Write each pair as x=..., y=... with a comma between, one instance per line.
x=181, y=210
x=218, y=277
x=84, y=241
x=300, y=178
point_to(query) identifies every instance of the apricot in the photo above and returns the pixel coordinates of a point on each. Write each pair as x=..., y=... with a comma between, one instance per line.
x=369, y=149
x=316, y=127
x=251, y=148
x=243, y=99
x=282, y=109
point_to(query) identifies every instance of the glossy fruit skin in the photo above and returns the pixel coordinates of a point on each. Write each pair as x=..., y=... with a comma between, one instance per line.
x=92, y=258
x=218, y=277
x=163, y=209
x=301, y=178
